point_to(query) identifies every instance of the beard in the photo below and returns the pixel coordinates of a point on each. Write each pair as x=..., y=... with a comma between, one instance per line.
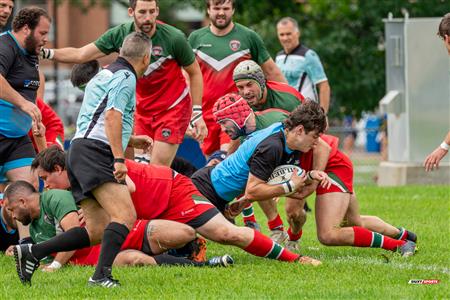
x=144, y=27
x=221, y=26
x=25, y=220
x=31, y=43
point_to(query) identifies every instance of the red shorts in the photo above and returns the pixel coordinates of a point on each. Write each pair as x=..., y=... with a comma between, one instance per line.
x=216, y=137
x=340, y=170
x=86, y=256
x=135, y=238
x=168, y=126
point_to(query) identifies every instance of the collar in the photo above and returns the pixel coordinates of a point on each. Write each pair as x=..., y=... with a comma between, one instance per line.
x=122, y=61
x=25, y=52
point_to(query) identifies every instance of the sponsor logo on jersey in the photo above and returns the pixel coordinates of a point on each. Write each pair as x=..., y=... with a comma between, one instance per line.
x=157, y=50
x=235, y=45
x=31, y=83
x=205, y=45
x=166, y=132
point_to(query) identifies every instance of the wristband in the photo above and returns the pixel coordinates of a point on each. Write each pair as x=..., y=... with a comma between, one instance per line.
x=55, y=265
x=119, y=160
x=47, y=53
x=445, y=146
x=288, y=186
x=308, y=175
x=196, y=108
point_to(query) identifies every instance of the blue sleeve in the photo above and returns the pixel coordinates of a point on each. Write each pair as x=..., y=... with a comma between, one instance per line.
x=122, y=91
x=314, y=67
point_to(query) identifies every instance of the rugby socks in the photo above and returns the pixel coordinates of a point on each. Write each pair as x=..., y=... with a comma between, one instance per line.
x=263, y=246
x=73, y=239
x=249, y=214
x=406, y=235
x=276, y=224
x=166, y=260
x=294, y=236
x=113, y=238
x=367, y=238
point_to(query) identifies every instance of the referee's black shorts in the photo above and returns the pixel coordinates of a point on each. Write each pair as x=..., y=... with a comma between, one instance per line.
x=90, y=163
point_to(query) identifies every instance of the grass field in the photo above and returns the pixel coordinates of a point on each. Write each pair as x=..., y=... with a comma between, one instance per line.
x=346, y=273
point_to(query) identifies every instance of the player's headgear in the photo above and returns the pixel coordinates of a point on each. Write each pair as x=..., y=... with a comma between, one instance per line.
x=234, y=108
x=250, y=70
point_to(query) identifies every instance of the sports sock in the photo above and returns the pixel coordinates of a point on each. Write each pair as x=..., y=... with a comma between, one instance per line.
x=113, y=238
x=276, y=224
x=166, y=259
x=248, y=214
x=403, y=234
x=73, y=239
x=263, y=246
x=294, y=236
x=367, y=238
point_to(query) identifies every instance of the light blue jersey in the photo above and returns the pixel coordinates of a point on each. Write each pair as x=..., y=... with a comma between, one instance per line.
x=112, y=88
x=302, y=69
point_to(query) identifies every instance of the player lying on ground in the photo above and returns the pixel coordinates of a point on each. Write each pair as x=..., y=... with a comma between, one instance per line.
x=54, y=211
x=334, y=204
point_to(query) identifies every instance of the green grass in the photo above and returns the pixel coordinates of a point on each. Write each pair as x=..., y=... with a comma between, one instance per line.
x=346, y=273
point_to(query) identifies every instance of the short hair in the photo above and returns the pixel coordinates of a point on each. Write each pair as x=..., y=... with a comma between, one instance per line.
x=308, y=114
x=29, y=16
x=49, y=158
x=17, y=188
x=132, y=3
x=218, y=2
x=444, y=26
x=82, y=73
x=136, y=45
x=287, y=20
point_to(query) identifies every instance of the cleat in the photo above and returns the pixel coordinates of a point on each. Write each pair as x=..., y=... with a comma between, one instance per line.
x=221, y=261
x=107, y=282
x=293, y=246
x=253, y=225
x=278, y=236
x=306, y=260
x=408, y=249
x=411, y=236
x=198, y=252
x=26, y=263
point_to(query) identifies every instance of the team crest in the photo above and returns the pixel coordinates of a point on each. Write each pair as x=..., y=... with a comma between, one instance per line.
x=235, y=45
x=157, y=51
x=166, y=133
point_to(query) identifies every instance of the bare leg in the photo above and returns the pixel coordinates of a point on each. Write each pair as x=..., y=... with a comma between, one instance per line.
x=96, y=220
x=133, y=258
x=269, y=207
x=163, y=153
x=164, y=235
x=296, y=214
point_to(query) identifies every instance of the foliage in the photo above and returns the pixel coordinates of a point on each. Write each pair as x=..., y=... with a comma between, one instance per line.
x=346, y=273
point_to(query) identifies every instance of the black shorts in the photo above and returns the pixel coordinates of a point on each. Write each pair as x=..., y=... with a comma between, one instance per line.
x=15, y=153
x=90, y=163
x=202, y=181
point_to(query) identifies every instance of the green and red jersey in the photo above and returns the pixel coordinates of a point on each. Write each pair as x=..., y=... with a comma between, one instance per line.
x=163, y=85
x=219, y=55
x=281, y=96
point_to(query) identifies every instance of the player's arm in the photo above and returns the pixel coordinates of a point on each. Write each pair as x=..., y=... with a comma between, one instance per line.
x=272, y=72
x=41, y=89
x=324, y=95
x=10, y=95
x=432, y=161
x=233, y=145
x=196, y=85
x=69, y=221
x=73, y=55
x=258, y=189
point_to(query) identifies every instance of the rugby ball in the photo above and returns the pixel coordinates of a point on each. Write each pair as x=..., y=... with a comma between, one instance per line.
x=283, y=174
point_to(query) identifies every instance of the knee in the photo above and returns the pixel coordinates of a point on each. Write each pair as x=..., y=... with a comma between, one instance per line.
x=132, y=259
x=229, y=236
x=189, y=234
x=129, y=219
x=327, y=238
x=297, y=213
x=95, y=234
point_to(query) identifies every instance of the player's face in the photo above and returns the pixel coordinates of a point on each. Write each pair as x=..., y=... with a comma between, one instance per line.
x=220, y=14
x=54, y=180
x=37, y=38
x=250, y=91
x=145, y=15
x=288, y=36
x=19, y=211
x=298, y=139
x=6, y=8
x=230, y=128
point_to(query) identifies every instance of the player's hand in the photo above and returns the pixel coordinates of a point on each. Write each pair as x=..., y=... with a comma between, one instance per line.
x=143, y=142
x=299, y=181
x=321, y=177
x=38, y=129
x=10, y=251
x=432, y=160
x=235, y=208
x=46, y=53
x=33, y=111
x=48, y=269
x=81, y=217
x=200, y=131
x=120, y=172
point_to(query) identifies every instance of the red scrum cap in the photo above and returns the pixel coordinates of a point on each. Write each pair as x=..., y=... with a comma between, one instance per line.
x=232, y=107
